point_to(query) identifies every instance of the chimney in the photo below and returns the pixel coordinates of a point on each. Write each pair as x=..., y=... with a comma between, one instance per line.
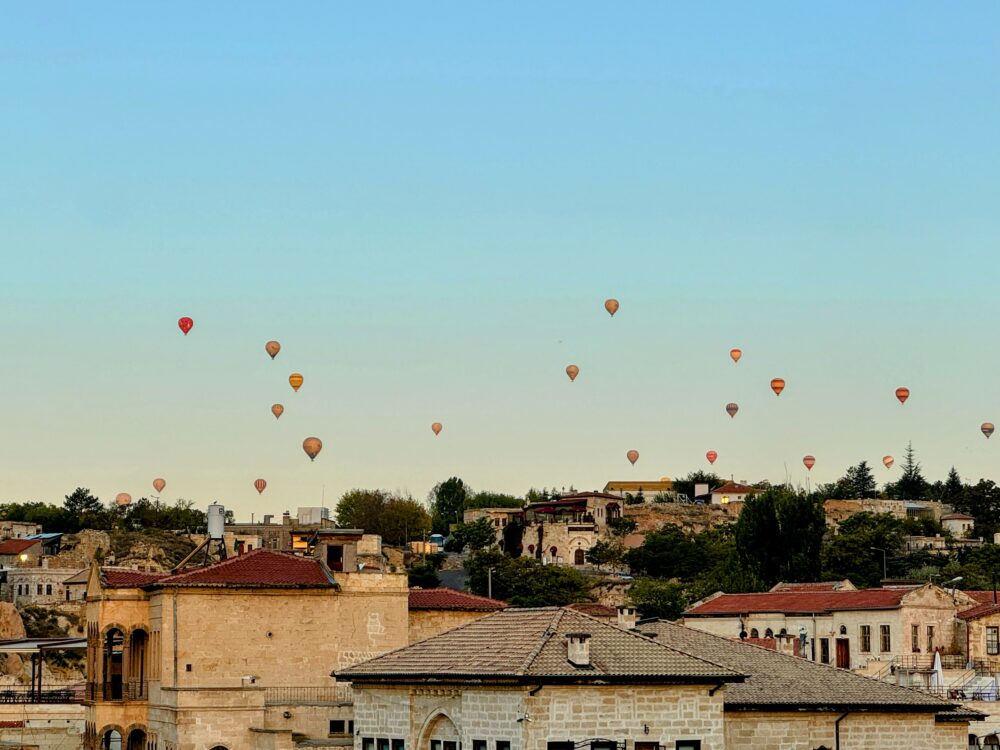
x=578, y=649
x=626, y=617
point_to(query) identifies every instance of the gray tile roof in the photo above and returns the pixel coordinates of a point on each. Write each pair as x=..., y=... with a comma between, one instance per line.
x=780, y=682
x=516, y=644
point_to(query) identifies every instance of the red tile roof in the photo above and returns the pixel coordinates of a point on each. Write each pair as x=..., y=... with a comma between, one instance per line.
x=980, y=610
x=594, y=610
x=981, y=596
x=734, y=488
x=118, y=578
x=445, y=598
x=800, y=602
x=813, y=586
x=261, y=568
x=17, y=546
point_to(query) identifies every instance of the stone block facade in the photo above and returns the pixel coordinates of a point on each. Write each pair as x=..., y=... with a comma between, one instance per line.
x=430, y=622
x=858, y=731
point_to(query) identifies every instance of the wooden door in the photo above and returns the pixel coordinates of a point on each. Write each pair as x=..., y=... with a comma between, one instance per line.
x=844, y=653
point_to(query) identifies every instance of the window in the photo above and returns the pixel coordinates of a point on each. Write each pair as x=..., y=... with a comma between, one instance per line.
x=39, y=587
x=450, y=745
x=435, y=745
x=602, y=745
x=885, y=640
x=338, y=726
x=688, y=745
x=383, y=743
x=503, y=745
x=769, y=633
x=48, y=589
x=560, y=746
x=368, y=743
x=993, y=641
x=914, y=638
x=824, y=650
x=479, y=745
x=67, y=594
x=754, y=633
x=397, y=745
x=930, y=638
x=866, y=639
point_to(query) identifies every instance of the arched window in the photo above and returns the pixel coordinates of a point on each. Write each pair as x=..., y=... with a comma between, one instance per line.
x=754, y=633
x=114, y=645
x=769, y=633
x=111, y=740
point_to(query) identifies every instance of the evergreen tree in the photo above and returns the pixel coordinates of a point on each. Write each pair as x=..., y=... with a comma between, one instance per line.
x=911, y=485
x=953, y=489
x=860, y=480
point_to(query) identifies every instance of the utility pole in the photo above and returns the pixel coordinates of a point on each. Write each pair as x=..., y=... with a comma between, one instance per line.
x=884, y=574
x=489, y=582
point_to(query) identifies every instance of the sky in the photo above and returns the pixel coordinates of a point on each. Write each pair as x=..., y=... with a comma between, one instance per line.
x=427, y=205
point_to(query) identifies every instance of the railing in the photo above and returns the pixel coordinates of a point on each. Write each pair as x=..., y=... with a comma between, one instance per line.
x=131, y=690
x=48, y=694
x=926, y=661
x=289, y=696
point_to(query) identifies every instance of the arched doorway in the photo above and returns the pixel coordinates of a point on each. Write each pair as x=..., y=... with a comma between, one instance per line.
x=579, y=557
x=114, y=646
x=138, y=642
x=440, y=733
x=111, y=739
x=136, y=740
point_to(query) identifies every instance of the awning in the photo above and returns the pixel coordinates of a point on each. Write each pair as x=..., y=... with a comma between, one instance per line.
x=37, y=645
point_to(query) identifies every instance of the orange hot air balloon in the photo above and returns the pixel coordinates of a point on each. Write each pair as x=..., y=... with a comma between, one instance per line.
x=987, y=429
x=632, y=456
x=277, y=410
x=888, y=461
x=611, y=305
x=572, y=371
x=902, y=394
x=185, y=324
x=436, y=427
x=732, y=409
x=295, y=380
x=123, y=499
x=736, y=354
x=711, y=456
x=260, y=485
x=159, y=484
x=272, y=348
x=312, y=446
x=809, y=461
x=777, y=385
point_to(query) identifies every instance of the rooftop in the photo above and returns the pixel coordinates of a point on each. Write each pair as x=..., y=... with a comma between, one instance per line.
x=126, y=578
x=799, y=602
x=734, y=488
x=844, y=585
x=450, y=599
x=957, y=517
x=592, y=609
x=261, y=568
x=17, y=546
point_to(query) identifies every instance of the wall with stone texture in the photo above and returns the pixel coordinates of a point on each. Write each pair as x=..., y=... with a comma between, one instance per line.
x=425, y=623
x=41, y=725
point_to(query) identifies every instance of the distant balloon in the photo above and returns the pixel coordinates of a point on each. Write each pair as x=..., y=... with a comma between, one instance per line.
x=572, y=371
x=732, y=409
x=736, y=354
x=436, y=427
x=295, y=380
x=260, y=485
x=664, y=479
x=809, y=461
x=902, y=394
x=277, y=410
x=987, y=429
x=711, y=456
x=611, y=305
x=312, y=446
x=159, y=484
x=632, y=456
x=888, y=461
x=123, y=499
x=778, y=385
x=185, y=324
x=272, y=348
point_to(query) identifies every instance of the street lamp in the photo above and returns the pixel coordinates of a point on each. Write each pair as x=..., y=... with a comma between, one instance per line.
x=884, y=573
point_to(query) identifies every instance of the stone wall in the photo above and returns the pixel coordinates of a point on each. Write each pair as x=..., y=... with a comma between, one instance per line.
x=753, y=730
x=689, y=517
x=45, y=726
x=430, y=622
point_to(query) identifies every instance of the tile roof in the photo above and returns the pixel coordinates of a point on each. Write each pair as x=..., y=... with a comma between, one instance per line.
x=980, y=610
x=981, y=596
x=734, y=488
x=778, y=681
x=844, y=585
x=957, y=517
x=799, y=602
x=261, y=568
x=592, y=609
x=16, y=546
x=530, y=644
x=446, y=598
x=121, y=578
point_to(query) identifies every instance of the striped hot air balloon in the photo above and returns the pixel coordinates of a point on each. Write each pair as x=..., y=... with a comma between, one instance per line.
x=888, y=461
x=987, y=429
x=711, y=456
x=732, y=408
x=809, y=462
x=777, y=385
x=572, y=371
x=295, y=380
x=260, y=485
x=632, y=456
x=902, y=394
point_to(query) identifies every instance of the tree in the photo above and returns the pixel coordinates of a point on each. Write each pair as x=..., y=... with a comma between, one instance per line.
x=492, y=500
x=779, y=535
x=657, y=598
x=476, y=535
x=667, y=553
x=622, y=526
x=686, y=485
x=757, y=534
x=85, y=509
x=911, y=484
x=860, y=480
x=447, y=501
x=855, y=552
x=396, y=519
x=361, y=509
x=423, y=575
x=982, y=501
x=525, y=582
x=952, y=489
x=606, y=553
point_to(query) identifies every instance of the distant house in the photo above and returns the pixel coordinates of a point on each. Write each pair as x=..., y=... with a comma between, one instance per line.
x=646, y=490
x=18, y=529
x=20, y=552
x=731, y=492
x=41, y=585
x=844, y=585
x=959, y=524
x=51, y=543
x=434, y=611
x=562, y=529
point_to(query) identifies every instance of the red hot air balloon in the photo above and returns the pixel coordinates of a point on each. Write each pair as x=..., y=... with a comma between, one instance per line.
x=632, y=456
x=436, y=427
x=185, y=324
x=260, y=485
x=888, y=461
x=736, y=354
x=809, y=461
x=777, y=385
x=572, y=371
x=711, y=456
x=987, y=429
x=731, y=409
x=159, y=484
x=902, y=394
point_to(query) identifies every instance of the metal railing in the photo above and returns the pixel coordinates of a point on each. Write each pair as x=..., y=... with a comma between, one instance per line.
x=73, y=693
x=115, y=690
x=288, y=696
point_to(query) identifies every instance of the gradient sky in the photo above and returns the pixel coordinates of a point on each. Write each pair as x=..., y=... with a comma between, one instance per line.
x=427, y=205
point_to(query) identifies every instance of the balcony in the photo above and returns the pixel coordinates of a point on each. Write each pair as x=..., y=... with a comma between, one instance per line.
x=327, y=695
x=116, y=690
x=70, y=693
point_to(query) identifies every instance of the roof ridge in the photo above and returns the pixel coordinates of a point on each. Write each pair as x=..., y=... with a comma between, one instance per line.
x=543, y=641
x=235, y=558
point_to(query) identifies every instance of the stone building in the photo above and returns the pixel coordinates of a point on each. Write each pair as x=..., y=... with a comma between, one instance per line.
x=18, y=529
x=280, y=535
x=845, y=628
x=41, y=585
x=561, y=530
x=434, y=611
x=235, y=655
x=20, y=552
x=959, y=524
x=732, y=492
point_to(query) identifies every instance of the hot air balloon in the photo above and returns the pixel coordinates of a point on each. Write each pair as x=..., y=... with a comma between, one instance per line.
x=987, y=429
x=185, y=324
x=272, y=348
x=711, y=456
x=277, y=410
x=736, y=354
x=572, y=371
x=732, y=409
x=159, y=484
x=888, y=461
x=295, y=380
x=260, y=485
x=902, y=394
x=632, y=456
x=611, y=305
x=809, y=461
x=123, y=499
x=777, y=385
x=436, y=427
x=312, y=446
x=664, y=479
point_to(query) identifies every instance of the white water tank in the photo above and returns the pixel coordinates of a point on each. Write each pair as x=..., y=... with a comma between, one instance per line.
x=216, y=521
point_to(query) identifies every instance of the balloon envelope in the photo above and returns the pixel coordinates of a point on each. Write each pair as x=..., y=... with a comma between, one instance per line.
x=185, y=324
x=295, y=380
x=260, y=485
x=159, y=484
x=123, y=499
x=611, y=305
x=632, y=456
x=736, y=354
x=809, y=461
x=272, y=348
x=732, y=409
x=711, y=456
x=277, y=410
x=312, y=446
x=777, y=385
x=987, y=429
x=888, y=461
x=437, y=428
x=902, y=394
x=572, y=371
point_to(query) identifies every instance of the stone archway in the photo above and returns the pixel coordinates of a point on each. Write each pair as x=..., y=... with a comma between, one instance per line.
x=439, y=733
x=135, y=739
x=111, y=738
